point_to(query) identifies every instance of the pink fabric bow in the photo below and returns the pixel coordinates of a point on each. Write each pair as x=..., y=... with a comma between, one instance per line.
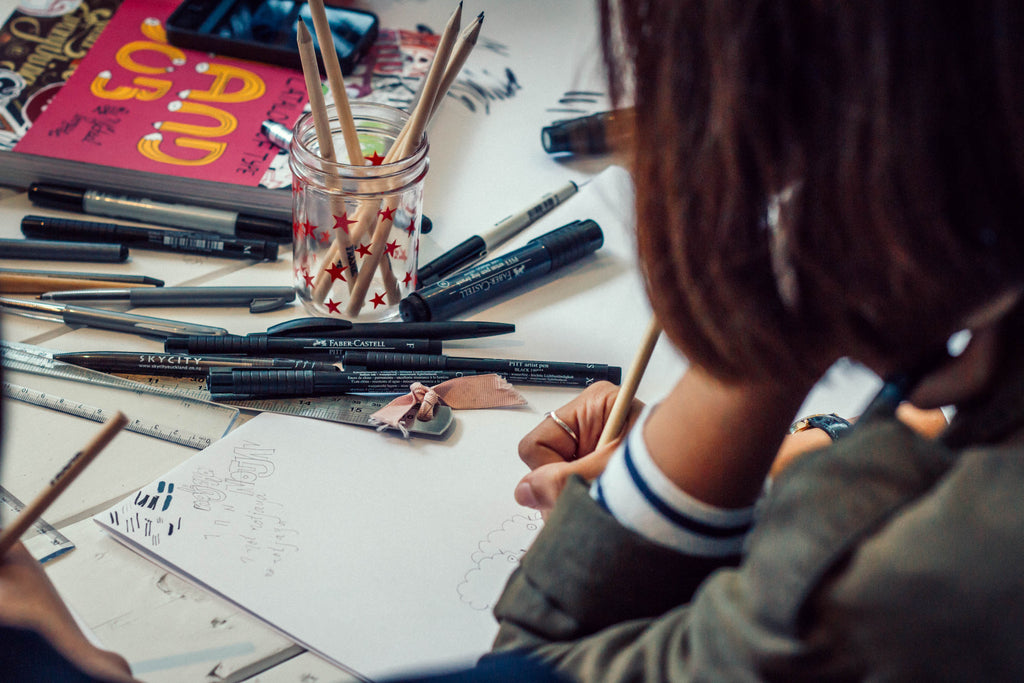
x=471, y=391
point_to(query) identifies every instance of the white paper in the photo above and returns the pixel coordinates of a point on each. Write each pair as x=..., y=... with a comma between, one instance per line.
x=381, y=554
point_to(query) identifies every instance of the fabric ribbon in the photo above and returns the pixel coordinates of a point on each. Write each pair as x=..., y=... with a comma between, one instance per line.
x=461, y=393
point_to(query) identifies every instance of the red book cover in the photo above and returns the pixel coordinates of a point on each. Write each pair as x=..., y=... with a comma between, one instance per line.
x=136, y=102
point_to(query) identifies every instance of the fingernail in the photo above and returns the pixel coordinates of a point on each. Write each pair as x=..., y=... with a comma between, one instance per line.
x=524, y=495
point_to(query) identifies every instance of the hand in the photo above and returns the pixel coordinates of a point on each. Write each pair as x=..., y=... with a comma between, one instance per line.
x=29, y=600
x=553, y=455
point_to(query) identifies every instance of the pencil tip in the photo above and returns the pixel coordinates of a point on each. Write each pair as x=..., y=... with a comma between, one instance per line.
x=302, y=32
x=480, y=16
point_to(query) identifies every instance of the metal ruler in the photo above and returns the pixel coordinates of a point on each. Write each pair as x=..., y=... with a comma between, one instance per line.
x=43, y=541
x=30, y=375
x=348, y=409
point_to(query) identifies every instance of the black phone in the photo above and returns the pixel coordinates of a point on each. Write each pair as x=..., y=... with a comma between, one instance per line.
x=265, y=30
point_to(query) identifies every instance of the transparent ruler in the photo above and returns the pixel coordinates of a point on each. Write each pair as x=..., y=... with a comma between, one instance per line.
x=30, y=375
x=43, y=541
x=348, y=409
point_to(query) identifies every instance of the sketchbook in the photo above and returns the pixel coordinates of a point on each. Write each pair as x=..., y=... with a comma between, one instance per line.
x=380, y=554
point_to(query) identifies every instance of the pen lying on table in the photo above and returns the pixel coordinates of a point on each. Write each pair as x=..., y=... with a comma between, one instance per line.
x=26, y=281
x=105, y=320
x=258, y=299
x=178, y=365
x=266, y=345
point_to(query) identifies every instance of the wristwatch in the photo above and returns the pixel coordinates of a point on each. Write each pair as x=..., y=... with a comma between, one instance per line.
x=830, y=423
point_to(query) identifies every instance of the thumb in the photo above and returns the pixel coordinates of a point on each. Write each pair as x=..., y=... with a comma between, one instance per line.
x=540, y=488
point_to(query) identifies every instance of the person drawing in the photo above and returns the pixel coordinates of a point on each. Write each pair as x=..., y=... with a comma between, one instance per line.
x=814, y=181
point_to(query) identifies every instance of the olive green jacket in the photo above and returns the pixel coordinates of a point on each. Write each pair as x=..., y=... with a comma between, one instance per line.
x=884, y=557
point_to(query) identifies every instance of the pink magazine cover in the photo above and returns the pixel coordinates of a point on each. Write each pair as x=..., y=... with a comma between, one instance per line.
x=138, y=103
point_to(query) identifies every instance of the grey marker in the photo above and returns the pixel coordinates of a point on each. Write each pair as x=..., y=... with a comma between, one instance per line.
x=258, y=299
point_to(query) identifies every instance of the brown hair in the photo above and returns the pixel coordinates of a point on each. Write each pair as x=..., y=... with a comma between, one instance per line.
x=895, y=128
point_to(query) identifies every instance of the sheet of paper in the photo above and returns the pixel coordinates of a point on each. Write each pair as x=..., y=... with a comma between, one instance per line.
x=381, y=554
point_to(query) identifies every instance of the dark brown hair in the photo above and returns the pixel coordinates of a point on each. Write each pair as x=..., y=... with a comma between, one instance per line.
x=895, y=129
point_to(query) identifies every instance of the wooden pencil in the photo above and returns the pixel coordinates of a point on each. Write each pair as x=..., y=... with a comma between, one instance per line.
x=336, y=81
x=627, y=390
x=34, y=510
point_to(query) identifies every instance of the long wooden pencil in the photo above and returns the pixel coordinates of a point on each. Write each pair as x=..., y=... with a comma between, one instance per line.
x=60, y=482
x=336, y=81
x=627, y=390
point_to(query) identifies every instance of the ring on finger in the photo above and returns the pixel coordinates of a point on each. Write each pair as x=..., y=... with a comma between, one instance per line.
x=565, y=428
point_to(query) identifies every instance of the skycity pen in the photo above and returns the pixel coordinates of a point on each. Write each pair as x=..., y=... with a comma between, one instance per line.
x=267, y=346
x=177, y=365
x=476, y=247
x=105, y=320
x=205, y=243
x=258, y=299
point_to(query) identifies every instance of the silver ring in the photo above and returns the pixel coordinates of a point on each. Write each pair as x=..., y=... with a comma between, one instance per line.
x=565, y=428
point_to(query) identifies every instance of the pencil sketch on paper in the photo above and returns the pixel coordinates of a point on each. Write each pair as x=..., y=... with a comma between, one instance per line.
x=495, y=558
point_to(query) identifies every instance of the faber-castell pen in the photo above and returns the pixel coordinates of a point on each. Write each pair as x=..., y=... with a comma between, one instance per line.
x=52, y=250
x=258, y=299
x=268, y=346
x=105, y=320
x=337, y=328
x=233, y=384
x=205, y=243
x=178, y=365
x=485, y=281
x=200, y=219
x=123, y=278
x=476, y=247
x=550, y=373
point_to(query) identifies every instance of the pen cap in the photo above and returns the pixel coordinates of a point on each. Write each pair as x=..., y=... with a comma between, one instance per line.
x=263, y=228
x=571, y=242
x=55, y=197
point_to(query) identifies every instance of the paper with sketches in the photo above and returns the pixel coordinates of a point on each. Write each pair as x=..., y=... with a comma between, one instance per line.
x=381, y=554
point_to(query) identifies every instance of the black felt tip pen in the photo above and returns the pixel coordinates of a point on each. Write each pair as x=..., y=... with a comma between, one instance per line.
x=476, y=247
x=48, y=250
x=205, y=243
x=485, y=281
x=269, y=346
x=547, y=373
x=178, y=365
x=235, y=384
x=335, y=327
x=200, y=219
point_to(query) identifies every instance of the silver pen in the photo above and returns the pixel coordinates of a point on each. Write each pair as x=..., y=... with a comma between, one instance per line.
x=106, y=320
x=258, y=299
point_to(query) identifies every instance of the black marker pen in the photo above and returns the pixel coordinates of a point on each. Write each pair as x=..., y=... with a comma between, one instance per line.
x=233, y=384
x=207, y=244
x=545, y=373
x=488, y=280
x=200, y=219
x=268, y=346
x=47, y=250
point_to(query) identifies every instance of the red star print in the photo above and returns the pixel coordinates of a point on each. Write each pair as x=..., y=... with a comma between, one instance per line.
x=378, y=299
x=387, y=214
x=375, y=160
x=309, y=229
x=308, y=278
x=343, y=221
x=363, y=250
x=407, y=280
x=297, y=229
x=336, y=271
x=323, y=237
x=332, y=306
x=412, y=227
x=391, y=248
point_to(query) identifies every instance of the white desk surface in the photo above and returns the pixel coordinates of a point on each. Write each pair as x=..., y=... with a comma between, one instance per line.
x=484, y=165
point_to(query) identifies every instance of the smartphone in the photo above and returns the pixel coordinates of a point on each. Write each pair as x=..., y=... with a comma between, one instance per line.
x=265, y=31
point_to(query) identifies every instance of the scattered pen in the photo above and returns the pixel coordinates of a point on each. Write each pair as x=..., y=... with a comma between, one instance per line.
x=148, y=211
x=53, y=250
x=13, y=283
x=106, y=320
x=205, y=243
x=337, y=328
x=234, y=384
x=179, y=365
x=266, y=345
x=258, y=299
x=124, y=278
x=277, y=133
x=548, y=373
x=476, y=247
